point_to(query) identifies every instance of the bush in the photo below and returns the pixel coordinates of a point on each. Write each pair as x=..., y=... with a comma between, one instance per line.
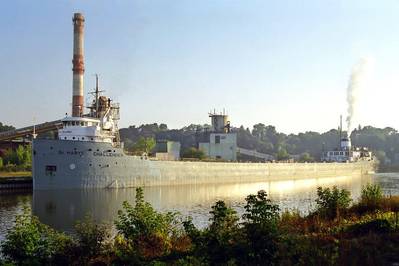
x=90, y=240
x=377, y=226
x=371, y=194
x=221, y=235
x=30, y=242
x=149, y=232
x=331, y=203
x=194, y=153
x=260, y=227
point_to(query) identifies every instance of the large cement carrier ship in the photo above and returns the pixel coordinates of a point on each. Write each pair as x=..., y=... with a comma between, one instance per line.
x=89, y=154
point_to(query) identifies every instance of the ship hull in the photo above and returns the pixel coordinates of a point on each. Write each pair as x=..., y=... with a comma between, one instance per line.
x=64, y=164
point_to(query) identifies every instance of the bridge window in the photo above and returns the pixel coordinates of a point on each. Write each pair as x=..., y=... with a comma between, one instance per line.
x=73, y=137
x=51, y=170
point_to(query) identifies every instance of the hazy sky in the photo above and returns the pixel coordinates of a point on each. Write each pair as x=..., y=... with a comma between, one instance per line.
x=285, y=63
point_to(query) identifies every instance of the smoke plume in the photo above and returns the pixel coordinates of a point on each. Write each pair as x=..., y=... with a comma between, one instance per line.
x=353, y=92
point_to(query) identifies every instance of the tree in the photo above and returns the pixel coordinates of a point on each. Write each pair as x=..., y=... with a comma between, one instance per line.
x=5, y=127
x=193, y=153
x=260, y=225
x=221, y=236
x=305, y=157
x=282, y=154
x=144, y=145
x=330, y=203
x=149, y=231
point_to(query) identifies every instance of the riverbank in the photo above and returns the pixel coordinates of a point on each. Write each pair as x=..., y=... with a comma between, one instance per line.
x=12, y=181
x=18, y=174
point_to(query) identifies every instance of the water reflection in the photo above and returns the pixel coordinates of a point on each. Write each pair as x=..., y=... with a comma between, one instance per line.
x=10, y=205
x=61, y=208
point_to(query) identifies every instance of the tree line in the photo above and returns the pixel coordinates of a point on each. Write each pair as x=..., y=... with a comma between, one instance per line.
x=308, y=146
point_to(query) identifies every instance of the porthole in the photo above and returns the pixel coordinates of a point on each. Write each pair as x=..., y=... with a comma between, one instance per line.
x=73, y=137
x=89, y=149
x=91, y=138
x=90, y=164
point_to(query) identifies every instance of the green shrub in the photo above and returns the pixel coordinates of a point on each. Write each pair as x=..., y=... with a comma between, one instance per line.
x=377, y=226
x=331, y=203
x=221, y=235
x=1, y=162
x=193, y=153
x=371, y=194
x=261, y=229
x=149, y=231
x=30, y=242
x=90, y=240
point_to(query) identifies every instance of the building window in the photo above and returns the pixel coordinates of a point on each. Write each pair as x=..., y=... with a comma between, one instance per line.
x=217, y=139
x=51, y=170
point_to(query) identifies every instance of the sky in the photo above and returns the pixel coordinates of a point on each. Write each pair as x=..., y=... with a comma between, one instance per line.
x=285, y=63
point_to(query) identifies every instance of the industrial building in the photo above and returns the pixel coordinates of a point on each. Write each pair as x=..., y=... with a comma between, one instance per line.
x=220, y=142
x=167, y=150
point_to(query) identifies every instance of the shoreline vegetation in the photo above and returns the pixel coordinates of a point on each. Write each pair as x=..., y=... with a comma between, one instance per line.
x=338, y=231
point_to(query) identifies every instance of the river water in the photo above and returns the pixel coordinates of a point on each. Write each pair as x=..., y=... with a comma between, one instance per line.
x=62, y=208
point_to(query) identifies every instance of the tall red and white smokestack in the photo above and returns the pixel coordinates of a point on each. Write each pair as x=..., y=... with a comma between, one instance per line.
x=78, y=65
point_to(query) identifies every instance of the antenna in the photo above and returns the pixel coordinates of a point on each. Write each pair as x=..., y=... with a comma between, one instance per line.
x=96, y=94
x=34, y=135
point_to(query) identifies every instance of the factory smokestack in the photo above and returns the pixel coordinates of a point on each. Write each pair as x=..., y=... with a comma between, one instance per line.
x=78, y=65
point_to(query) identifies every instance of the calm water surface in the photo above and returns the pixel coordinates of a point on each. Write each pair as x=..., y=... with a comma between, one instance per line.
x=61, y=208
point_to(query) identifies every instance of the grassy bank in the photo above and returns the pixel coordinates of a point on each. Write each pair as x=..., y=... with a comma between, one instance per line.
x=337, y=232
x=22, y=174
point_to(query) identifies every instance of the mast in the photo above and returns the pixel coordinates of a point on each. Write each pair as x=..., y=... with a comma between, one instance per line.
x=340, y=132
